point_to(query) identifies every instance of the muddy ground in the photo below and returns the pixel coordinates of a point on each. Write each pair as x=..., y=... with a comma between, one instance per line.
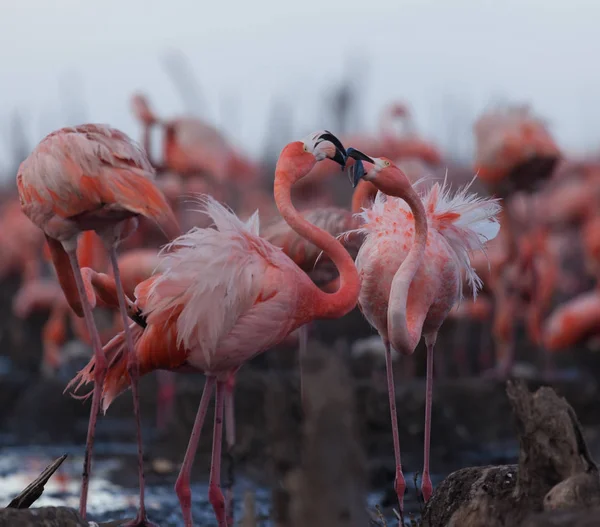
x=472, y=419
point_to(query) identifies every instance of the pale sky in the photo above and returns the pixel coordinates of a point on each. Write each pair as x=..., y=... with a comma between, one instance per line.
x=246, y=52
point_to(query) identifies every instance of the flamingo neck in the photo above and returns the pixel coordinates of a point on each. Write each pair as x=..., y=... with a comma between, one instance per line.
x=364, y=192
x=402, y=338
x=322, y=305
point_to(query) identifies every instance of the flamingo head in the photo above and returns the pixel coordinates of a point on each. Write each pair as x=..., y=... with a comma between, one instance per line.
x=380, y=171
x=299, y=157
x=141, y=109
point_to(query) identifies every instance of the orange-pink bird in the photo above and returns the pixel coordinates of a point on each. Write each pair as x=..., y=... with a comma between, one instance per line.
x=21, y=243
x=92, y=177
x=573, y=322
x=192, y=147
x=514, y=149
x=224, y=295
x=411, y=264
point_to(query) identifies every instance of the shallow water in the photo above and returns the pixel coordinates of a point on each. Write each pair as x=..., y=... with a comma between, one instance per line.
x=108, y=500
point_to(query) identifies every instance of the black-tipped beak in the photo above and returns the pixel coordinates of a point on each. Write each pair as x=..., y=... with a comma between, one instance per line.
x=358, y=169
x=358, y=155
x=340, y=152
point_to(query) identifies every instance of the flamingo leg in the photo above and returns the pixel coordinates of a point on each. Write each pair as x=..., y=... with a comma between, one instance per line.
x=99, y=374
x=426, y=486
x=230, y=439
x=215, y=495
x=165, y=398
x=399, y=482
x=182, y=485
x=133, y=369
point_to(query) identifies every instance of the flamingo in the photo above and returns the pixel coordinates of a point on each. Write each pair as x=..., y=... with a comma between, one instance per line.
x=92, y=177
x=321, y=270
x=46, y=295
x=193, y=146
x=247, y=297
x=573, y=322
x=511, y=138
x=410, y=266
x=21, y=243
x=577, y=319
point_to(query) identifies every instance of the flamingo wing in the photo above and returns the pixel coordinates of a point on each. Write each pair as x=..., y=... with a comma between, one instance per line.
x=211, y=280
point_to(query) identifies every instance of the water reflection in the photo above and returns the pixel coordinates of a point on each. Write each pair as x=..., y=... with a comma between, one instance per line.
x=109, y=500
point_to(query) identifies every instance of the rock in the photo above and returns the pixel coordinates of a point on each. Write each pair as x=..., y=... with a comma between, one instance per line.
x=580, y=490
x=41, y=517
x=572, y=518
x=475, y=496
x=555, y=471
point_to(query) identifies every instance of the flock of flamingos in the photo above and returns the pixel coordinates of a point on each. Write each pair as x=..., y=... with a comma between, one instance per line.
x=224, y=288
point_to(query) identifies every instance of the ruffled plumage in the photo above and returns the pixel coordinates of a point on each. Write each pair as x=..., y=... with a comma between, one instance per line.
x=212, y=277
x=466, y=221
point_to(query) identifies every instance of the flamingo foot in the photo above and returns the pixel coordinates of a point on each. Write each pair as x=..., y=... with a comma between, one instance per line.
x=426, y=487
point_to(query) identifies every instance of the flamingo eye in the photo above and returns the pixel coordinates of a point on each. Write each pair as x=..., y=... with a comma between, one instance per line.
x=387, y=163
x=305, y=148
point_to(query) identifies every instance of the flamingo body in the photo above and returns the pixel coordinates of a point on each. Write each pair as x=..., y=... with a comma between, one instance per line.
x=573, y=322
x=109, y=174
x=455, y=227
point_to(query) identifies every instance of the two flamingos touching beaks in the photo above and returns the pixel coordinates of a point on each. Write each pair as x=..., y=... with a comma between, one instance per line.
x=222, y=295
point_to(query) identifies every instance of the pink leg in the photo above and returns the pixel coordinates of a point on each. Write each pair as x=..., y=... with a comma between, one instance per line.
x=215, y=495
x=99, y=373
x=426, y=487
x=182, y=485
x=399, y=483
x=230, y=439
x=133, y=369
x=165, y=398
x=302, y=349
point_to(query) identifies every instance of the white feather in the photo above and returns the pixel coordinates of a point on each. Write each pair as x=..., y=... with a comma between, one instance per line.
x=474, y=226
x=212, y=276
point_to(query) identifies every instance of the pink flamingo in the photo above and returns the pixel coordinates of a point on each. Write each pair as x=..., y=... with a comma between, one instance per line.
x=509, y=137
x=573, y=322
x=319, y=268
x=193, y=147
x=247, y=297
x=92, y=177
x=410, y=266
x=21, y=243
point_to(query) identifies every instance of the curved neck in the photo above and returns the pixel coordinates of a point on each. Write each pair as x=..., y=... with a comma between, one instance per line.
x=322, y=305
x=405, y=339
x=364, y=192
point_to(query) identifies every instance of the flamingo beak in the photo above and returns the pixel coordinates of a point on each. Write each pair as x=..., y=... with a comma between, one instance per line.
x=340, y=152
x=357, y=171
